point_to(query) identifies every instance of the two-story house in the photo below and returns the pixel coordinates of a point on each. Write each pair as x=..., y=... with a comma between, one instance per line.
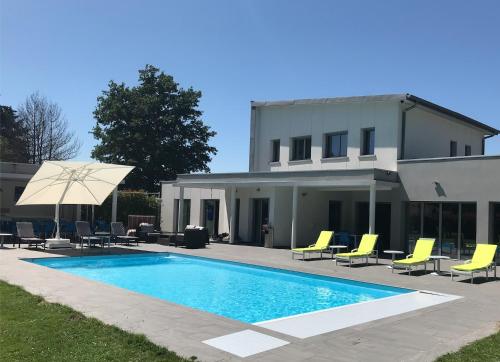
x=396, y=165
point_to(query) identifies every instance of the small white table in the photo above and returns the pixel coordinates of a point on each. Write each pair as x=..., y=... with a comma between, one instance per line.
x=393, y=253
x=438, y=258
x=104, y=235
x=337, y=247
x=2, y=238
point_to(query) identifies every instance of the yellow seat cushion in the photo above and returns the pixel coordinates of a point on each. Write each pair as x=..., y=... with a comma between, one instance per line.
x=482, y=258
x=321, y=244
x=421, y=253
x=366, y=247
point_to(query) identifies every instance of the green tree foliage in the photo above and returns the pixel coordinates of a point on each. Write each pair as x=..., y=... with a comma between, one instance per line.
x=13, y=143
x=128, y=203
x=155, y=126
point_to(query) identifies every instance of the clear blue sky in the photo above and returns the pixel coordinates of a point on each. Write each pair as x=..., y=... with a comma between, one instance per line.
x=236, y=51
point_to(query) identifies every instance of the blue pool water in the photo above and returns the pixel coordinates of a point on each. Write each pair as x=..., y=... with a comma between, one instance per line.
x=239, y=291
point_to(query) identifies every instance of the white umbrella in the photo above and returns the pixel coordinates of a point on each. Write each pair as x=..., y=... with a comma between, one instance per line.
x=79, y=183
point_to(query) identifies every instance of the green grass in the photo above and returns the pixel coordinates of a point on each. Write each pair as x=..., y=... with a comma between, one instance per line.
x=32, y=329
x=483, y=350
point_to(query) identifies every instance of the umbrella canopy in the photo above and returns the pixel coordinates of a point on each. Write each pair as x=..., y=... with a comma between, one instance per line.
x=80, y=183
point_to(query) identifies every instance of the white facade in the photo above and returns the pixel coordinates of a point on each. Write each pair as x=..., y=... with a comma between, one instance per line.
x=299, y=193
x=316, y=120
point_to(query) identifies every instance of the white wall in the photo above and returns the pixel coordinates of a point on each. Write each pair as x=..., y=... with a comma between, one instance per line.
x=285, y=122
x=168, y=195
x=428, y=135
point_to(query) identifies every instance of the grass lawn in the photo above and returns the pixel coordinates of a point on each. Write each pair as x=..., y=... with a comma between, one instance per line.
x=34, y=330
x=484, y=350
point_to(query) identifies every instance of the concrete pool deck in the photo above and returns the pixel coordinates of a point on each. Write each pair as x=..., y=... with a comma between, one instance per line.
x=421, y=335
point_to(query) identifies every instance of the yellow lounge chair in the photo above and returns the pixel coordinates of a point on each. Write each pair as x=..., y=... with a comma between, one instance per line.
x=421, y=254
x=482, y=260
x=320, y=246
x=365, y=249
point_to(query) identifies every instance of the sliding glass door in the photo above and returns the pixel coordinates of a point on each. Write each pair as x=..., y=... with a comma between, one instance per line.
x=453, y=225
x=449, y=230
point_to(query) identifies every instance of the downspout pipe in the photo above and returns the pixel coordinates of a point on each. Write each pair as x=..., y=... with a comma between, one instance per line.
x=403, y=129
x=484, y=142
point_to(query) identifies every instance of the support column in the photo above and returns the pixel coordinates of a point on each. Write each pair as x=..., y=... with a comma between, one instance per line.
x=232, y=220
x=114, y=204
x=78, y=212
x=371, y=220
x=180, y=213
x=295, y=201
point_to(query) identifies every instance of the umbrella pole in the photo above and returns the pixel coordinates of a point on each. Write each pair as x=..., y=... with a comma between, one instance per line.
x=56, y=219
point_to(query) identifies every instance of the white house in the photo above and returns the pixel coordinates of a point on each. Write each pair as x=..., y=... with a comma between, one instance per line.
x=396, y=165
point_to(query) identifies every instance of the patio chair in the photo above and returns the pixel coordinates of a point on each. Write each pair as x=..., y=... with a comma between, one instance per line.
x=421, y=254
x=118, y=233
x=148, y=233
x=366, y=248
x=482, y=260
x=26, y=234
x=320, y=246
x=84, y=233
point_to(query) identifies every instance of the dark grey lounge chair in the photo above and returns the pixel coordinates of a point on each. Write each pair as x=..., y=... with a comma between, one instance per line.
x=26, y=235
x=119, y=234
x=84, y=233
x=148, y=233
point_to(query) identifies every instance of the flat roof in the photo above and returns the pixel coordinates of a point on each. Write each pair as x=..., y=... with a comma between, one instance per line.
x=382, y=98
x=340, y=178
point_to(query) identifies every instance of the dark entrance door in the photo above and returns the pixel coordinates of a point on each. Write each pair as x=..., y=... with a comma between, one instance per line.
x=211, y=216
x=334, y=215
x=260, y=217
x=382, y=223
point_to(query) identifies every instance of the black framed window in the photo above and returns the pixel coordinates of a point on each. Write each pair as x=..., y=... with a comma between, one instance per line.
x=301, y=148
x=368, y=141
x=468, y=150
x=453, y=148
x=275, y=150
x=336, y=145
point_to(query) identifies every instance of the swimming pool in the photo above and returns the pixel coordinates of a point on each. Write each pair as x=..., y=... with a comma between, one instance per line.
x=244, y=292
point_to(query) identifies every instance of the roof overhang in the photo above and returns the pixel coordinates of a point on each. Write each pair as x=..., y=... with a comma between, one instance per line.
x=324, y=179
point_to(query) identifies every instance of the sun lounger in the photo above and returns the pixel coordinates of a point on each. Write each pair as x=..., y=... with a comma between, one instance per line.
x=482, y=260
x=420, y=256
x=366, y=248
x=320, y=246
x=26, y=235
x=84, y=233
x=118, y=233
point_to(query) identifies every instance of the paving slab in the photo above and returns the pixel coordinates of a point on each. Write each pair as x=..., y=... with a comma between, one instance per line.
x=420, y=335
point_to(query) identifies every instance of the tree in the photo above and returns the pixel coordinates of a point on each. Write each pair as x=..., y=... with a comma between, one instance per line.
x=155, y=126
x=47, y=134
x=13, y=145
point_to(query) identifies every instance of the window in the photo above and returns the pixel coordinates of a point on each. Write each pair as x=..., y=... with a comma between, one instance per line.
x=453, y=225
x=336, y=145
x=468, y=150
x=301, y=148
x=453, y=148
x=334, y=215
x=275, y=150
x=18, y=191
x=368, y=139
